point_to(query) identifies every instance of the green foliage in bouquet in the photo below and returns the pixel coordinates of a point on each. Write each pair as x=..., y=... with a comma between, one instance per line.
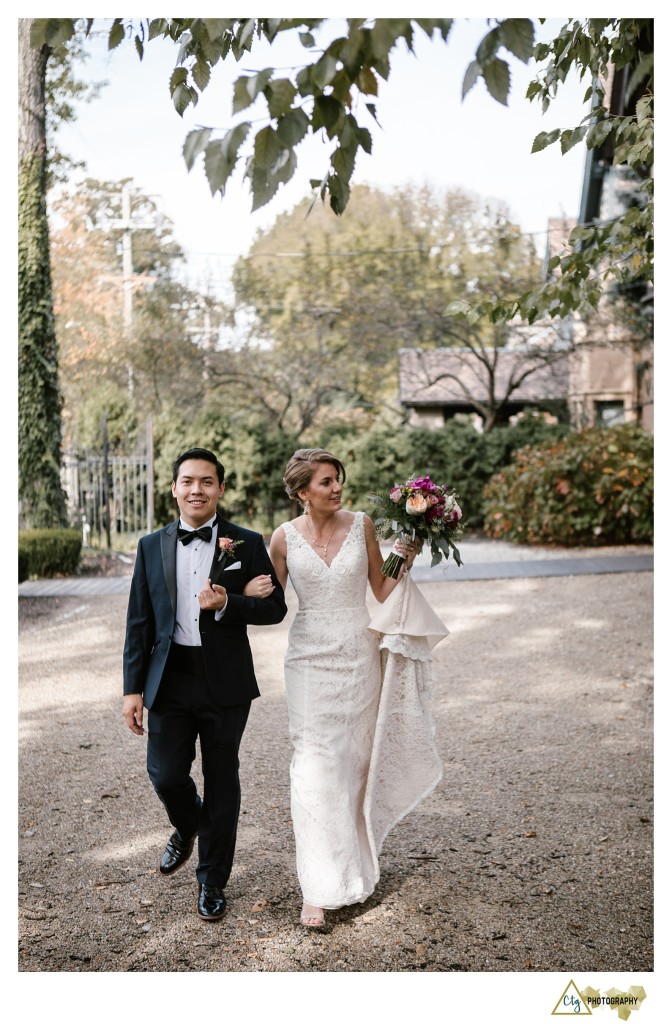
x=593, y=487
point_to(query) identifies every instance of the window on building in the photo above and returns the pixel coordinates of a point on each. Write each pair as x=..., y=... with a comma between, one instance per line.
x=609, y=414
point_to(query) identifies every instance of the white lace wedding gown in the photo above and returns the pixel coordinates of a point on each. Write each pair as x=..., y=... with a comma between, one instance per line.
x=361, y=760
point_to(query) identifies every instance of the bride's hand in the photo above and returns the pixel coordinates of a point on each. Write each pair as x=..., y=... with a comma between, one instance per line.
x=260, y=586
x=408, y=549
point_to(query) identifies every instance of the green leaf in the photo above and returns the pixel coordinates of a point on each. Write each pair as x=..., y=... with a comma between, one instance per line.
x=157, y=27
x=367, y=82
x=571, y=137
x=339, y=192
x=266, y=148
x=263, y=187
x=243, y=37
x=292, y=127
x=343, y=161
x=221, y=157
x=488, y=46
x=544, y=139
x=327, y=113
x=194, y=144
x=497, y=79
x=307, y=39
x=177, y=78
x=371, y=107
x=471, y=76
x=182, y=96
x=598, y=133
x=201, y=74
x=139, y=47
x=247, y=88
x=598, y=25
x=116, y=35
x=216, y=27
x=324, y=71
x=285, y=165
x=51, y=31
x=518, y=37
x=280, y=95
x=643, y=108
x=186, y=47
x=364, y=139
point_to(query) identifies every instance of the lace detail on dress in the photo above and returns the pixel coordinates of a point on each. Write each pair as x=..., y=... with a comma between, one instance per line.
x=414, y=647
x=341, y=805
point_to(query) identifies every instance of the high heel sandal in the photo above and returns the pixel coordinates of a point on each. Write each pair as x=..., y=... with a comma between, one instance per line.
x=313, y=919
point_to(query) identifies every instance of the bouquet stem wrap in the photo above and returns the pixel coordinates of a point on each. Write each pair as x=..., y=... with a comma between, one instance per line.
x=393, y=563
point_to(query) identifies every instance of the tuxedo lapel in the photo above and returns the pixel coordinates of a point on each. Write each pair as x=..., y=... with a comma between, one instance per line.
x=224, y=529
x=169, y=559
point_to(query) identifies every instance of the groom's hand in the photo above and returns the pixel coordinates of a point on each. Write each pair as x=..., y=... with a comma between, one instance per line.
x=133, y=708
x=212, y=597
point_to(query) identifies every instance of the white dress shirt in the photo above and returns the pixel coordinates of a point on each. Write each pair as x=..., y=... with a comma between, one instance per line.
x=192, y=569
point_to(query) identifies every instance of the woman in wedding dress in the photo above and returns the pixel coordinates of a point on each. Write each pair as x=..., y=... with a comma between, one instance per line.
x=333, y=683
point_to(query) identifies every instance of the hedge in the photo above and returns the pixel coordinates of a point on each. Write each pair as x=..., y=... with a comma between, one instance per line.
x=48, y=552
x=456, y=455
x=593, y=487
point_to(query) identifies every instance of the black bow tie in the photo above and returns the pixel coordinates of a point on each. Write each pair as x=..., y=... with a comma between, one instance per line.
x=186, y=536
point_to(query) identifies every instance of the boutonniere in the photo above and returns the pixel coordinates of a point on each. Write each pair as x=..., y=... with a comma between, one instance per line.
x=227, y=546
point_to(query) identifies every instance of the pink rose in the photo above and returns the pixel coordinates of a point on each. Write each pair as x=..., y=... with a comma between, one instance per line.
x=395, y=494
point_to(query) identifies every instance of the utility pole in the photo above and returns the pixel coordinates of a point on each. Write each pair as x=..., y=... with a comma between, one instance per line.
x=206, y=337
x=127, y=226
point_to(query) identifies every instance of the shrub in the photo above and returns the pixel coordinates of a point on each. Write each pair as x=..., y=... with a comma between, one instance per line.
x=456, y=455
x=48, y=552
x=592, y=487
x=23, y=564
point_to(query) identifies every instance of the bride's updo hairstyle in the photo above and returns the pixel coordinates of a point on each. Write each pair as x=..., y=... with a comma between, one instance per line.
x=300, y=468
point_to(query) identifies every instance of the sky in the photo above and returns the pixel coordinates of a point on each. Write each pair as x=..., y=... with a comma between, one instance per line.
x=426, y=135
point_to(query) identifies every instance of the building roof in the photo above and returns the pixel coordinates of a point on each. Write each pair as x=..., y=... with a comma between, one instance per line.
x=446, y=376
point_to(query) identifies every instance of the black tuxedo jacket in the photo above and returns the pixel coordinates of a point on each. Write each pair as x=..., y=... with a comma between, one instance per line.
x=152, y=604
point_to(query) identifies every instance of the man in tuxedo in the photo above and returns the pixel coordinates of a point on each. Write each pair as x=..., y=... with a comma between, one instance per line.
x=187, y=659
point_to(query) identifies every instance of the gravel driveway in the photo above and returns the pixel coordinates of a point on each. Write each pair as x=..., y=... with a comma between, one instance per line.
x=534, y=853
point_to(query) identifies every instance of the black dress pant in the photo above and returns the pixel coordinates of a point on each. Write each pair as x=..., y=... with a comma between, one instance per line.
x=183, y=710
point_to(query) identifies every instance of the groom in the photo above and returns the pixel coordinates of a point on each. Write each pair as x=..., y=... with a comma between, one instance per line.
x=187, y=660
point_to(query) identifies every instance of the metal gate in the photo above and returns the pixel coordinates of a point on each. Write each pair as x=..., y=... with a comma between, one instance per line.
x=108, y=501
x=110, y=496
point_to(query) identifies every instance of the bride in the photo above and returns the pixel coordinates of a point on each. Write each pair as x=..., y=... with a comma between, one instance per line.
x=333, y=683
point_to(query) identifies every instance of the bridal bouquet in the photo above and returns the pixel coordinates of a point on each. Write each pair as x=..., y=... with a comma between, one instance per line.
x=418, y=510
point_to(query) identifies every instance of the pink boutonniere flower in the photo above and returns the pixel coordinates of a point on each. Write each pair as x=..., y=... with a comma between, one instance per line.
x=227, y=546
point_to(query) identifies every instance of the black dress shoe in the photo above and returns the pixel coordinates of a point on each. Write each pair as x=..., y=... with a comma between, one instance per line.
x=211, y=902
x=178, y=850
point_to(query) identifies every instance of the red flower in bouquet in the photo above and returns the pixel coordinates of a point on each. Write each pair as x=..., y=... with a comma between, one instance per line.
x=419, y=510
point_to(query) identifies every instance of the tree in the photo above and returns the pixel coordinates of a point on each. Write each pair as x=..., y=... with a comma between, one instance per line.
x=157, y=360
x=41, y=495
x=323, y=97
x=330, y=302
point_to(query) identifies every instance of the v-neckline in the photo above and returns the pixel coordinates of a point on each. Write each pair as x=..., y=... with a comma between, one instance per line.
x=338, y=553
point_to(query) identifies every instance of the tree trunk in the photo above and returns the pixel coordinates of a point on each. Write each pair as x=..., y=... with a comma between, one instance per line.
x=40, y=493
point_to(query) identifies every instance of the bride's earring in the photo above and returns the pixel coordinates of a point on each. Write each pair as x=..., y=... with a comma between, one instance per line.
x=306, y=508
